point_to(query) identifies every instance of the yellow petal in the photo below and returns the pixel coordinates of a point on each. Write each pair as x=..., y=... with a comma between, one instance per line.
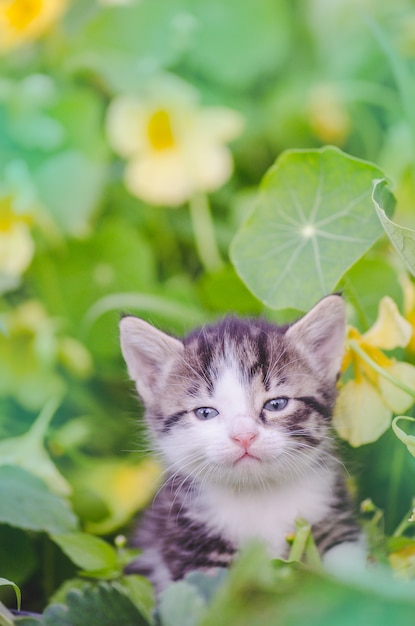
x=16, y=249
x=210, y=166
x=390, y=330
x=126, y=125
x=221, y=124
x=360, y=415
x=22, y=21
x=396, y=399
x=160, y=178
x=408, y=440
x=408, y=289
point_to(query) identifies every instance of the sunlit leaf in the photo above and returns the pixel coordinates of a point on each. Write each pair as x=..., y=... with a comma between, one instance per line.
x=312, y=221
x=90, y=553
x=402, y=238
x=28, y=503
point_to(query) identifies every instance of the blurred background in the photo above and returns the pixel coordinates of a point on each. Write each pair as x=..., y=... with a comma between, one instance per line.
x=133, y=137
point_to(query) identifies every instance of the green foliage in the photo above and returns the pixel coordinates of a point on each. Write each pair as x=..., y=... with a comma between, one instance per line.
x=4, y=581
x=31, y=505
x=298, y=206
x=102, y=604
x=313, y=219
x=403, y=239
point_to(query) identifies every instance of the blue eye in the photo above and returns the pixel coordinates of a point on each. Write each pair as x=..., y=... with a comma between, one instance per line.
x=277, y=404
x=205, y=413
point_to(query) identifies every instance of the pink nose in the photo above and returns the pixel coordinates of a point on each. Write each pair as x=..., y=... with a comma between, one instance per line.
x=244, y=439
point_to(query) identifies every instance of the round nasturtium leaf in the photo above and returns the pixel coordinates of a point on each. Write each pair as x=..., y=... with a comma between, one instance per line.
x=314, y=218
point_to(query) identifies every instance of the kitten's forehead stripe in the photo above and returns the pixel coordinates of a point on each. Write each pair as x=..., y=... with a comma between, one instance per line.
x=252, y=344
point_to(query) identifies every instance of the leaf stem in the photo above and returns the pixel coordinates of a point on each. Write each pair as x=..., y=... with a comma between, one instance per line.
x=38, y=429
x=204, y=233
x=405, y=523
x=354, y=346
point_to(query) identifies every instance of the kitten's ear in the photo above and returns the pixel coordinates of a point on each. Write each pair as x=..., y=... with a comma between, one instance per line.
x=147, y=352
x=320, y=334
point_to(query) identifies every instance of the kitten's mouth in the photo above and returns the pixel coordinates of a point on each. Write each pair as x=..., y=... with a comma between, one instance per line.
x=245, y=456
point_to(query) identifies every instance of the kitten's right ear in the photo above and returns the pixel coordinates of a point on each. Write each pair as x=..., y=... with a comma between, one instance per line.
x=147, y=352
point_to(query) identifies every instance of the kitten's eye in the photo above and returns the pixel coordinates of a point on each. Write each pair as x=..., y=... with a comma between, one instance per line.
x=277, y=404
x=205, y=413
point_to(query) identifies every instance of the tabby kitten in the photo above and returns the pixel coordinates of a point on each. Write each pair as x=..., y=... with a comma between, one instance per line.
x=240, y=412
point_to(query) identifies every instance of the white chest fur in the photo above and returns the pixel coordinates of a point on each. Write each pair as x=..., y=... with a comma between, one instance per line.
x=269, y=515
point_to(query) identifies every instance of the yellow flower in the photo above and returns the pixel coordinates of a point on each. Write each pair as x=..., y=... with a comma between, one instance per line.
x=22, y=21
x=16, y=244
x=409, y=307
x=367, y=402
x=403, y=561
x=174, y=148
x=122, y=487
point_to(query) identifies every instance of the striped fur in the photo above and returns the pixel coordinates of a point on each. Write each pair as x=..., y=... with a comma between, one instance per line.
x=249, y=470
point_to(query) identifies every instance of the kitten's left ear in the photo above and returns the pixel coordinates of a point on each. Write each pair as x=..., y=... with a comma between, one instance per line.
x=148, y=353
x=320, y=334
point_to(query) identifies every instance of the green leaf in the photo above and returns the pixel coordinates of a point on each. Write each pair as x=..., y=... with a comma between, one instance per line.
x=403, y=239
x=291, y=595
x=90, y=553
x=127, y=43
x=365, y=284
x=70, y=185
x=17, y=554
x=27, y=451
x=28, y=503
x=97, y=605
x=221, y=32
x=141, y=592
x=224, y=291
x=181, y=603
x=5, y=581
x=312, y=221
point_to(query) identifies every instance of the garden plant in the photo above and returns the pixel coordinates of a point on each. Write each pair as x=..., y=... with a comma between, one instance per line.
x=180, y=160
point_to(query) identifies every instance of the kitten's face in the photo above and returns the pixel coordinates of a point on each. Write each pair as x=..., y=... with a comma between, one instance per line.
x=242, y=403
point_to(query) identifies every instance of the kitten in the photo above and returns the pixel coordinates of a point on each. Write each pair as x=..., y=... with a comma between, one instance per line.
x=240, y=412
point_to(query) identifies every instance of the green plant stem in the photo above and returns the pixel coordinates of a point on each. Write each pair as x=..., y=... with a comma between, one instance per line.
x=405, y=523
x=396, y=473
x=358, y=350
x=302, y=534
x=204, y=233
